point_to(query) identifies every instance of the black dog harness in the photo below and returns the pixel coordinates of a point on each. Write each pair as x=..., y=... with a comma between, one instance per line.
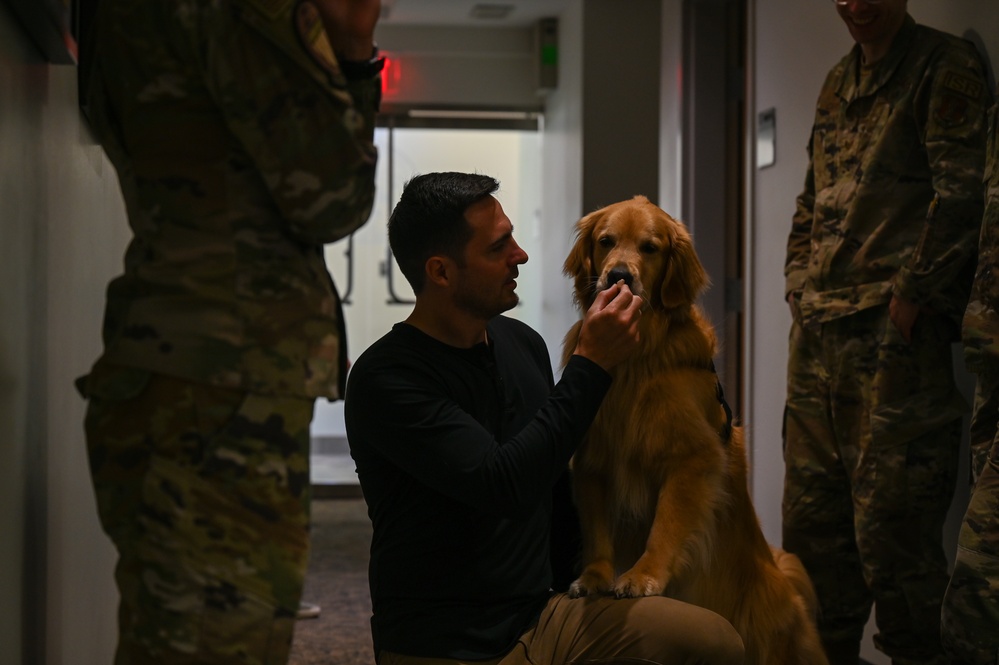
x=726, y=430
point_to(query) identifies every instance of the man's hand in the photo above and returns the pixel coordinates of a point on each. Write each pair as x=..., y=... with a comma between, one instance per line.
x=792, y=302
x=609, y=333
x=903, y=313
x=350, y=26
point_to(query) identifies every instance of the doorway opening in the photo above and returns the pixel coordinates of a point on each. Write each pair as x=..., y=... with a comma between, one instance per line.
x=714, y=178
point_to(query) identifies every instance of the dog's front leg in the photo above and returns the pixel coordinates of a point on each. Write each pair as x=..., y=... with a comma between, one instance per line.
x=598, y=549
x=682, y=522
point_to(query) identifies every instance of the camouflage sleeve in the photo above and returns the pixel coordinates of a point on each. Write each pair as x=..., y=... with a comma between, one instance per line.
x=981, y=319
x=799, y=240
x=952, y=105
x=307, y=129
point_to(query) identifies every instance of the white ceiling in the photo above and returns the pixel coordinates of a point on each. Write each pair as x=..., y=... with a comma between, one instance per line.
x=519, y=13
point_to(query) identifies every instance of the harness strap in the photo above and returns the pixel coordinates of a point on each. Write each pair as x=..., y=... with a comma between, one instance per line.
x=726, y=430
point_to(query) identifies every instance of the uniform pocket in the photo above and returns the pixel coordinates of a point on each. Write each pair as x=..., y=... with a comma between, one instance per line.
x=112, y=382
x=907, y=419
x=913, y=392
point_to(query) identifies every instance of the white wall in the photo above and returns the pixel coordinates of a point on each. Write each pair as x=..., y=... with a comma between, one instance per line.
x=87, y=233
x=16, y=239
x=785, y=29
x=562, y=169
x=671, y=109
x=62, y=234
x=796, y=43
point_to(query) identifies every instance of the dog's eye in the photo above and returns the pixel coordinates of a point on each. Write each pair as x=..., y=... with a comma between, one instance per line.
x=649, y=248
x=606, y=242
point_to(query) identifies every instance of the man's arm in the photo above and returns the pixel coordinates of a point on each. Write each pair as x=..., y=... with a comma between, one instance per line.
x=308, y=130
x=953, y=105
x=799, y=240
x=397, y=411
x=980, y=326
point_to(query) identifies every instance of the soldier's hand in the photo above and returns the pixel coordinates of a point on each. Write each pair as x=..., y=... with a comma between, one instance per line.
x=350, y=26
x=792, y=303
x=609, y=333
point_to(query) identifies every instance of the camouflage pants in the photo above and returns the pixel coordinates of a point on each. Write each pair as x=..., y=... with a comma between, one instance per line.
x=204, y=492
x=970, y=619
x=872, y=437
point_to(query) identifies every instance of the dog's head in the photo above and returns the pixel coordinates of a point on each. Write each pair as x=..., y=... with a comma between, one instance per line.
x=635, y=241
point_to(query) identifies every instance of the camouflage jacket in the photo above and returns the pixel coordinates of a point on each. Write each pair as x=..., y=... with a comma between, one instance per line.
x=241, y=148
x=892, y=200
x=981, y=320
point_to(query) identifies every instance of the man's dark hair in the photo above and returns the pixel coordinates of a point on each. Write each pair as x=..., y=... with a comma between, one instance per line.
x=430, y=219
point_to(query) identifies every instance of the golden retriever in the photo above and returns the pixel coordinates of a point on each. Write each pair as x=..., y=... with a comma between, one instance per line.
x=661, y=477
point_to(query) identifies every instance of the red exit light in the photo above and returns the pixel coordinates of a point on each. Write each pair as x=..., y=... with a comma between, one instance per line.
x=391, y=76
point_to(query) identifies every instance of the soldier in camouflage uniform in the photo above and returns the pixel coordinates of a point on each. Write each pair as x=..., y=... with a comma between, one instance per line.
x=878, y=269
x=242, y=134
x=970, y=616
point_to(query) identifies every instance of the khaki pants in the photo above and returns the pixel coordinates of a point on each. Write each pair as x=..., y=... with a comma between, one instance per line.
x=653, y=630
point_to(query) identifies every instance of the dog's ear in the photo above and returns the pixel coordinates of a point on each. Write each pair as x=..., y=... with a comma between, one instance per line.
x=579, y=264
x=685, y=277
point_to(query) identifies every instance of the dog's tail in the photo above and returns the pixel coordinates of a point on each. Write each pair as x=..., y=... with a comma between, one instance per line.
x=808, y=646
x=792, y=568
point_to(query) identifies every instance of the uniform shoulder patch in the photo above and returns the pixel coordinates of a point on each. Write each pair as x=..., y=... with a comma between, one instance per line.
x=951, y=110
x=312, y=35
x=963, y=85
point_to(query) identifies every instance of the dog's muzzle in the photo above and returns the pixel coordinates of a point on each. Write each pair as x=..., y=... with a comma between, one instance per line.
x=618, y=274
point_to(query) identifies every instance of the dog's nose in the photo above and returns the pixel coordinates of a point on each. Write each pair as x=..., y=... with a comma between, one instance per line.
x=617, y=274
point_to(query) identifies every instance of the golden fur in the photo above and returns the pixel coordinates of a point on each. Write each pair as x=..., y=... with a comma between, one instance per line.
x=662, y=494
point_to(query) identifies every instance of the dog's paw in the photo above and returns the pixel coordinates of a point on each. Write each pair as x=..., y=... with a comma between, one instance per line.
x=581, y=588
x=636, y=585
x=596, y=579
x=578, y=589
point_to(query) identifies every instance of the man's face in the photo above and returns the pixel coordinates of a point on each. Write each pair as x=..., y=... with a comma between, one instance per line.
x=486, y=284
x=873, y=25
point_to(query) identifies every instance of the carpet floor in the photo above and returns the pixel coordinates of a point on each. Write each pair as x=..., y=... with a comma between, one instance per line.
x=337, y=581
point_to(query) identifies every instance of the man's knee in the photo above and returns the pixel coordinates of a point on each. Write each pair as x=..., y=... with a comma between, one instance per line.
x=701, y=635
x=726, y=647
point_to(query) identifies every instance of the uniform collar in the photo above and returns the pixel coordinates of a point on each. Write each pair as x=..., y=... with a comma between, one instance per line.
x=883, y=69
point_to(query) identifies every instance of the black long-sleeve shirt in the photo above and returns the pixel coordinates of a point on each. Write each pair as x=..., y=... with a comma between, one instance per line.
x=457, y=451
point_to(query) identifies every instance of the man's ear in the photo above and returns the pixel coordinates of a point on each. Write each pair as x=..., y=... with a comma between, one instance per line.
x=438, y=270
